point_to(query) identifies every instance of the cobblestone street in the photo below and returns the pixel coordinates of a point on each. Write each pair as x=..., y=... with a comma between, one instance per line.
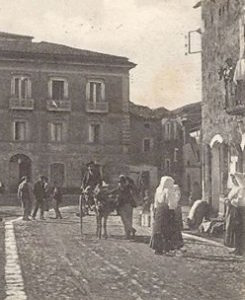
x=58, y=264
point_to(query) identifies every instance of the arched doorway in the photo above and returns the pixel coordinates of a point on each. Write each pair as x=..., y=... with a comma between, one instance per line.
x=19, y=166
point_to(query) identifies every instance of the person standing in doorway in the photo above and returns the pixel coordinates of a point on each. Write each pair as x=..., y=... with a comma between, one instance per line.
x=39, y=192
x=24, y=195
x=57, y=198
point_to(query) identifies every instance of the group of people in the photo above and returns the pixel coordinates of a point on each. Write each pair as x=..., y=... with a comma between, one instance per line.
x=166, y=232
x=39, y=195
x=124, y=195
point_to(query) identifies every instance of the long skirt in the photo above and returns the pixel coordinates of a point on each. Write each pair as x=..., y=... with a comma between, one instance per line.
x=176, y=239
x=160, y=239
x=232, y=227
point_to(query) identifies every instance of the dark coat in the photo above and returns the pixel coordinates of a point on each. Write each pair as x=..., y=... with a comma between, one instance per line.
x=24, y=191
x=91, y=179
x=39, y=190
x=57, y=194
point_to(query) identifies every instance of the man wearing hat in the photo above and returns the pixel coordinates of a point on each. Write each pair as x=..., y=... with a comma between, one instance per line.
x=24, y=195
x=91, y=179
x=40, y=194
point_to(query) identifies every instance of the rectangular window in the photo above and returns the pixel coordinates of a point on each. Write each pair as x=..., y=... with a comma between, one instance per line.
x=95, y=91
x=167, y=166
x=175, y=130
x=94, y=133
x=146, y=145
x=176, y=150
x=168, y=131
x=20, y=131
x=58, y=89
x=56, y=132
x=21, y=87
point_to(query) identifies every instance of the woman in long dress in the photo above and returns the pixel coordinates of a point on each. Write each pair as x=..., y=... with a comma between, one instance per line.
x=163, y=220
x=233, y=218
x=177, y=241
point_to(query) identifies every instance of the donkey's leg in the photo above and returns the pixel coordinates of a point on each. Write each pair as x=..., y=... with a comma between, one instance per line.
x=99, y=226
x=104, y=225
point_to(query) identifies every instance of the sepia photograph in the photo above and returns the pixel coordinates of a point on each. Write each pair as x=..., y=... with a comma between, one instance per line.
x=122, y=150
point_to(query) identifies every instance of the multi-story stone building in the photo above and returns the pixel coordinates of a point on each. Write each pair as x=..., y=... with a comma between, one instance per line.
x=61, y=107
x=161, y=145
x=223, y=107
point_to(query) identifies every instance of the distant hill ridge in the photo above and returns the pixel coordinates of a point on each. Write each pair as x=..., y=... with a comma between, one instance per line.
x=192, y=112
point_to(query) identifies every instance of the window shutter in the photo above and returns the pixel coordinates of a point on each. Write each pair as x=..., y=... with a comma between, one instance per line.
x=87, y=91
x=66, y=91
x=103, y=91
x=29, y=88
x=241, y=31
x=50, y=89
x=90, y=133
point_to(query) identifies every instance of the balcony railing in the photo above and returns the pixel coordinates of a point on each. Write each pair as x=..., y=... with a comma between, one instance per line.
x=97, y=107
x=21, y=104
x=58, y=105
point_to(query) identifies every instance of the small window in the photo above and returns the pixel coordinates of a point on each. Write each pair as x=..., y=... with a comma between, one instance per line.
x=168, y=131
x=175, y=130
x=220, y=12
x=95, y=133
x=56, y=133
x=176, y=150
x=167, y=166
x=95, y=91
x=21, y=87
x=20, y=131
x=147, y=125
x=58, y=89
x=146, y=145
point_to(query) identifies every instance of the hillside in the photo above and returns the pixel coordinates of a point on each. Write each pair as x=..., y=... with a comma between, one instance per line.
x=191, y=111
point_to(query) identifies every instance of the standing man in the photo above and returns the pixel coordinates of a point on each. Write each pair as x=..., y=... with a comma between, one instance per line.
x=39, y=192
x=57, y=198
x=24, y=195
x=125, y=205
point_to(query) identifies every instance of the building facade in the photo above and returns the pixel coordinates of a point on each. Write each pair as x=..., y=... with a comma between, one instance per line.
x=61, y=107
x=223, y=107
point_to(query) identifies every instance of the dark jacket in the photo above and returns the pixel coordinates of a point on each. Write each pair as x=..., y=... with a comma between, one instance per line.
x=123, y=196
x=39, y=190
x=57, y=194
x=24, y=191
x=91, y=179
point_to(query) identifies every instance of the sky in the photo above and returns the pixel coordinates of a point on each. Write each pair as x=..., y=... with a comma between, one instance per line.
x=151, y=33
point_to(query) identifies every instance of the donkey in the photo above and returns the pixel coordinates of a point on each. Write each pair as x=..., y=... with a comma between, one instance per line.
x=104, y=206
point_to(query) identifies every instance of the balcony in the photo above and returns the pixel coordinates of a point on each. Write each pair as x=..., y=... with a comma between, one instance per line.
x=97, y=107
x=58, y=105
x=21, y=104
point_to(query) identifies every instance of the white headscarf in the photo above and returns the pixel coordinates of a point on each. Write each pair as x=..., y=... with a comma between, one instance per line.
x=177, y=193
x=165, y=191
x=238, y=191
